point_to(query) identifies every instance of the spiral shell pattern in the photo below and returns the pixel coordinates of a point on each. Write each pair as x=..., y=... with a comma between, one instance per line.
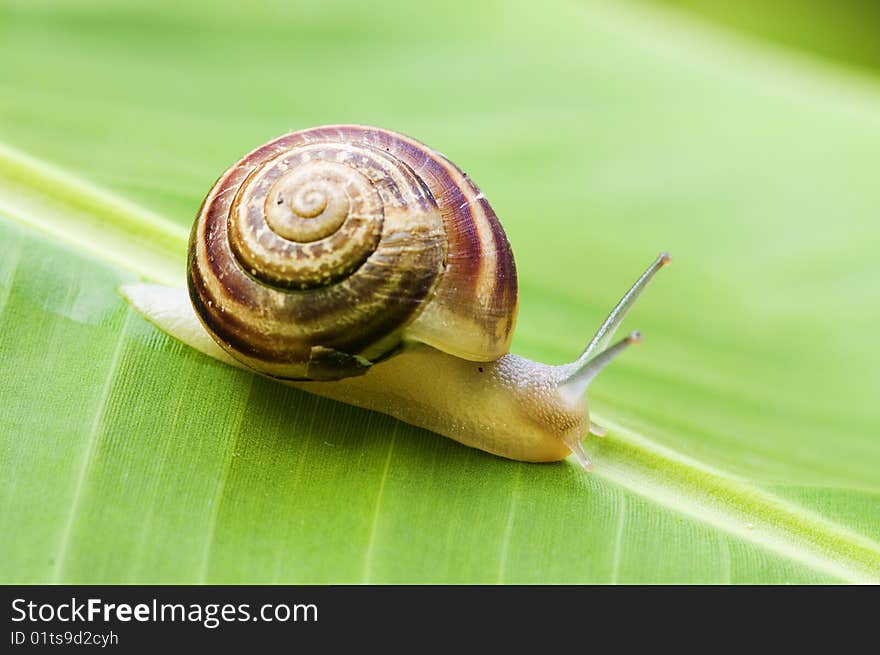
x=325, y=250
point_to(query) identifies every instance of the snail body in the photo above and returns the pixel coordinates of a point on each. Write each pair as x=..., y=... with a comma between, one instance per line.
x=360, y=265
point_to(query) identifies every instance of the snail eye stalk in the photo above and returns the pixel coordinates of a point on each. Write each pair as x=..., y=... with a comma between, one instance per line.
x=578, y=374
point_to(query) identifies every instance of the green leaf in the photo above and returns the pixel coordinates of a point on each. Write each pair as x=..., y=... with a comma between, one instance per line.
x=743, y=443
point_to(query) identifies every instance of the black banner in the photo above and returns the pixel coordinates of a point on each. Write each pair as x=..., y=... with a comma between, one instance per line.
x=136, y=618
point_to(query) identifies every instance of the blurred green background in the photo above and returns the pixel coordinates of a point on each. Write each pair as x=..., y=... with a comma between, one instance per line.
x=843, y=31
x=742, y=137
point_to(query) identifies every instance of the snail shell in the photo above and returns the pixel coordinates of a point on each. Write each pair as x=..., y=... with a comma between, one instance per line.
x=329, y=249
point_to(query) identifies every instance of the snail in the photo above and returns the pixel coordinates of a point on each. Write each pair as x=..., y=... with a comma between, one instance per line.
x=358, y=264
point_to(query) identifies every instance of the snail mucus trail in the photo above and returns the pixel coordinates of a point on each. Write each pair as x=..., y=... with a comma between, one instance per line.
x=358, y=264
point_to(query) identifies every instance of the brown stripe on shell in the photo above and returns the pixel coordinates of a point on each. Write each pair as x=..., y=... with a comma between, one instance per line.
x=487, y=274
x=237, y=336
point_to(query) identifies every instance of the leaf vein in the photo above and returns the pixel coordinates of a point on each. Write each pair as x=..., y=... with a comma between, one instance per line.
x=88, y=455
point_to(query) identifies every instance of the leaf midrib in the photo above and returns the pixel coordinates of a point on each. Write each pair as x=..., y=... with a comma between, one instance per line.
x=735, y=505
x=90, y=218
